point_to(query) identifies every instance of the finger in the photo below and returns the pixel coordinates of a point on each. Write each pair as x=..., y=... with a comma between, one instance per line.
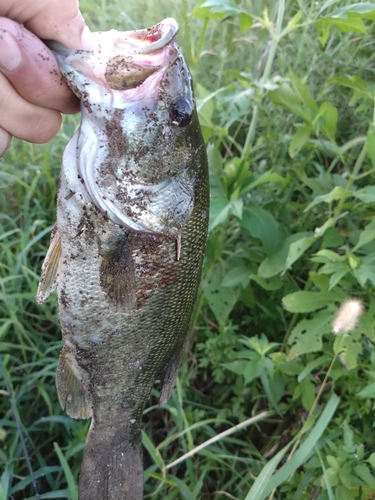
x=48, y=19
x=32, y=69
x=5, y=141
x=23, y=119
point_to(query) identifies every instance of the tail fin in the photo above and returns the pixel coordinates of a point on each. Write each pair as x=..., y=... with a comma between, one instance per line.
x=112, y=467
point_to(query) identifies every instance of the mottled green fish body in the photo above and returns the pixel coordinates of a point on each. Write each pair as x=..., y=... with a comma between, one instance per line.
x=128, y=245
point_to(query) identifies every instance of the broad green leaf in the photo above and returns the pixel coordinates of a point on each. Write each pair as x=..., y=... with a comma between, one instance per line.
x=220, y=209
x=299, y=139
x=303, y=93
x=298, y=248
x=307, y=335
x=338, y=275
x=325, y=6
x=236, y=208
x=249, y=369
x=245, y=22
x=364, y=9
x=253, y=370
x=365, y=272
x=324, y=33
x=330, y=116
x=322, y=282
x=371, y=460
x=366, y=323
x=301, y=302
x=332, y=238
x=262, y=225
x=364, y=473
x=352, y=23
x=326, y=255
x=321, y=361
x=349, y=347
x=308, y=394
x=287, y=97
x=275, y=263
x=366, y=236
x=220, y=299
x=274, y=283
x=346, y=477
x=274, y=391
x=237, y=276
x=342, y=492
x=368, y=391
x=219, y=212
x=366, y=194
x=251, y=183
x=337, y=193
x=223, y=7
x=361, y=87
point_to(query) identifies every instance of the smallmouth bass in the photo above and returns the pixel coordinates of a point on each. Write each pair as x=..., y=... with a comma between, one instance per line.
x=127, y=248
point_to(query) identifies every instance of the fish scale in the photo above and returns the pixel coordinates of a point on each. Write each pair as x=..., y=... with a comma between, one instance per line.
x=126, y=270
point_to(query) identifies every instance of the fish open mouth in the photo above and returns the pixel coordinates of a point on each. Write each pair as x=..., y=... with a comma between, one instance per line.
x=123, y=60
x=140, y=55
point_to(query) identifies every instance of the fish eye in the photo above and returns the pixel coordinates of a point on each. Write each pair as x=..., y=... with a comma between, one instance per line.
x=181, y=111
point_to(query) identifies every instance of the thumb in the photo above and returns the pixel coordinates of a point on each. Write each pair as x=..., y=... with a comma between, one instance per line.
x=48, y=19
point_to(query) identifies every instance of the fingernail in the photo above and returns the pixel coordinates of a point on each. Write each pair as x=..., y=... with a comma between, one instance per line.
x=10, y=52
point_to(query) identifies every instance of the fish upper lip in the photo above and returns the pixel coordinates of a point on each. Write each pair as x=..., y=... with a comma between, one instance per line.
x=158, y=36
x=143, y=41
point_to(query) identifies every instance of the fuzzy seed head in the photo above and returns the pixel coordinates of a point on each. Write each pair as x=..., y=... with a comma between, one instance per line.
x=347, y=316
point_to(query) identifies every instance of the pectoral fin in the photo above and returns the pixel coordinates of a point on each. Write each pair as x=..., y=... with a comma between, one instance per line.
x=48, y=280
x=73, y=395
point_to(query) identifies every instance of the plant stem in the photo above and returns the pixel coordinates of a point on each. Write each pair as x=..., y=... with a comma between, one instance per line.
x=316, y=401
x=266, y=74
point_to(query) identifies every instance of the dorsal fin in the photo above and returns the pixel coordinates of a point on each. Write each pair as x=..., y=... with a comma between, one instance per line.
x=50, y=267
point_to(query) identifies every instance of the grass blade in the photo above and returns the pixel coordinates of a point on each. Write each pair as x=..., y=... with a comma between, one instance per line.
x=306, y=448
x=68, y=473
x=257, y=491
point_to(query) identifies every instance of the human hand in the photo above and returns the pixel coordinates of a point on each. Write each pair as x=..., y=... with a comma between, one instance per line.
x=32, y=92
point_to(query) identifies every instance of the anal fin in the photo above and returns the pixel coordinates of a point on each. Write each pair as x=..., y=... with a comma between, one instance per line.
x=73, y=395
x=50, y=267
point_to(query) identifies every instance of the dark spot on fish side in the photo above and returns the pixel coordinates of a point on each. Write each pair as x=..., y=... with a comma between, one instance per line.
x=117, y=272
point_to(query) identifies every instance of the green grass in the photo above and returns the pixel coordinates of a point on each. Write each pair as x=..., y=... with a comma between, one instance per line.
x=286, y=103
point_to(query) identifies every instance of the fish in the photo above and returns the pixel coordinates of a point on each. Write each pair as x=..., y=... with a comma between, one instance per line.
x=127, y=248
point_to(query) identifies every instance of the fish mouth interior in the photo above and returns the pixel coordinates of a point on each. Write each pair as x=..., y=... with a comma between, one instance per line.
x=142, y=53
